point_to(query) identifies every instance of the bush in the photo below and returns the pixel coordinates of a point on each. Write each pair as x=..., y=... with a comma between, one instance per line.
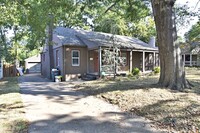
x=136, y=71
x=156, y=70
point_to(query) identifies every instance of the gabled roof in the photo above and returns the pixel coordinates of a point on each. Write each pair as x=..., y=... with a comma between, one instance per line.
x=35, y=58
x=68, y=36
x=193, y=48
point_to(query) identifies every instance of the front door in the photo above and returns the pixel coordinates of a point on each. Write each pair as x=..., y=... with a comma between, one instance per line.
x=96, y=62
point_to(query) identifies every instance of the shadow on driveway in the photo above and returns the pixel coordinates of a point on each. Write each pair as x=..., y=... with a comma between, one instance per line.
x=56, y=108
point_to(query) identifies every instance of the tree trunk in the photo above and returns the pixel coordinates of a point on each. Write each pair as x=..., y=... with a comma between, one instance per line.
x=50, y=43
x=172, y=73
x=16, y=46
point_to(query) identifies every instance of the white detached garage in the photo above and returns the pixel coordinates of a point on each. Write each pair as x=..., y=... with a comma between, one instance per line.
x=33, y=64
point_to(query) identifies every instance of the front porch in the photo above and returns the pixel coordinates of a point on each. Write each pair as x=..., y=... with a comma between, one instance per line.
x=142, y=59
x=190, y=59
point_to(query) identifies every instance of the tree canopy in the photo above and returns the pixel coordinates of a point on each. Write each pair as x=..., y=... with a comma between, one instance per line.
x=29, y=18
x=193, y=35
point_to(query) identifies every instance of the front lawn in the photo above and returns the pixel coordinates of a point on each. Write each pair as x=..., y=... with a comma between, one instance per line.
x=168, y=109
x=12, y=115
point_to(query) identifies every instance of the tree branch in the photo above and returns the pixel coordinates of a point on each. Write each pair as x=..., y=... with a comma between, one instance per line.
x=196, y=4
x=110, y=7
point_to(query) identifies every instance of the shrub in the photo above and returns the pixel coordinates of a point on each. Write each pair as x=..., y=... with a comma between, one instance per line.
x=156, y=70
x=136, y=71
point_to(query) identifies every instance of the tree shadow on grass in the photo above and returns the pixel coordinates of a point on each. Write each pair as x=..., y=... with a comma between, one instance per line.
x=196, y=87
x=115, y=86
x=172, y=114
x=15, y=105
x=9, y=85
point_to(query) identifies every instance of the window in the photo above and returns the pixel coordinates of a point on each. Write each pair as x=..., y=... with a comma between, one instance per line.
x=57, y=58
x=75, y=57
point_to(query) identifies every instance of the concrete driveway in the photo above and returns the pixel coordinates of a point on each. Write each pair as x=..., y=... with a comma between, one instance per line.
x=56, y=108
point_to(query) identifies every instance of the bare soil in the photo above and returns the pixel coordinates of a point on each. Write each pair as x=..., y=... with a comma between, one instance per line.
x=168, y=109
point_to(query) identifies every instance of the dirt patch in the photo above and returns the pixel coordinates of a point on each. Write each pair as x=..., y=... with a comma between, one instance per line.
x=168, y=109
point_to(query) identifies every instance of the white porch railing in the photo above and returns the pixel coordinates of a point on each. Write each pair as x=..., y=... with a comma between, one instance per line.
x=193, y=63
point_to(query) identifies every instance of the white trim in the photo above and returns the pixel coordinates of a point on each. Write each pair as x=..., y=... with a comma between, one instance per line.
x=100, y=60
x=131, y=61
x=75, y=57
x=143, y=61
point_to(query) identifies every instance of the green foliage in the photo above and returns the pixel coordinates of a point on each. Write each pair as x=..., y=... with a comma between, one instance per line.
x=130, y=18
x=194, y=34
x=156, y=70
x=29, y=19
x=136, y=71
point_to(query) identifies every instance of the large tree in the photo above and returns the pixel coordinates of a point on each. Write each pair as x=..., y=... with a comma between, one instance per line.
x=172, y=71
x=32, y=16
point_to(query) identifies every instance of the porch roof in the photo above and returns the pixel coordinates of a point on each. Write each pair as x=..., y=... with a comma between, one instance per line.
x=72, y=37
x=193, y=48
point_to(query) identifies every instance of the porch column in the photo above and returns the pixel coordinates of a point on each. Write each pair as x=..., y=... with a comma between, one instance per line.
x=184, y=59
x=100, y=61
x=190, y=59
x=131, y=61
x=154, y=60
x=143, y=61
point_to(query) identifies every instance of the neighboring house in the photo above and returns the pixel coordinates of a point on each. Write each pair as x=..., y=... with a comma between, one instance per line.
x=191, y=55
x=1, y=68
x=77, y=52
x=33, y=64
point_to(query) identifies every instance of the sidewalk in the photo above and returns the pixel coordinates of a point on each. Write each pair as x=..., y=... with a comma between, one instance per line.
x=55, y=108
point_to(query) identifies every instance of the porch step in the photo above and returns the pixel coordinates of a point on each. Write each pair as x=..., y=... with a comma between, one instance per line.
x=89, y=76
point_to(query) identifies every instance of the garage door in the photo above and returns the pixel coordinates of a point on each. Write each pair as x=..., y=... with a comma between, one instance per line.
x=34, y=67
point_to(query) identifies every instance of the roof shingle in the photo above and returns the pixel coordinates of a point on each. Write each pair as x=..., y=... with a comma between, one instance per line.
x=68, y=36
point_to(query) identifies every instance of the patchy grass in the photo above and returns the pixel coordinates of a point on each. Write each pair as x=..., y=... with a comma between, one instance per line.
x=12, y=117
x=168, y=109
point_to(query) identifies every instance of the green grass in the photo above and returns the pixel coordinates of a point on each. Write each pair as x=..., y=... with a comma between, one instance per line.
x=12, y=115
x=168, y=109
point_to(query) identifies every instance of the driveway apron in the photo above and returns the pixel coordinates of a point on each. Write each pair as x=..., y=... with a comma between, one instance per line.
x=56, y=108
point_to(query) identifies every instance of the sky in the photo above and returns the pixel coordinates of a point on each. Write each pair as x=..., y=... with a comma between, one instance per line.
x=194, y=6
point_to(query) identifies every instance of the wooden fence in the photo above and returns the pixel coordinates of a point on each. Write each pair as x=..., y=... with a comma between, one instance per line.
x=9, y=70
